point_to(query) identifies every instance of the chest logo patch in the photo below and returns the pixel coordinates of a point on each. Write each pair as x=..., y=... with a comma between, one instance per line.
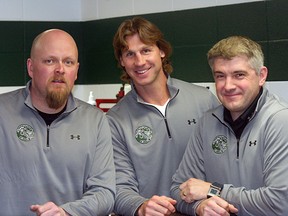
x=25, y=132
x=143, y=134
x=219, y=144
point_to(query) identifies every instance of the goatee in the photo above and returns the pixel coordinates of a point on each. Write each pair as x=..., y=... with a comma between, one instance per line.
x=56, y=99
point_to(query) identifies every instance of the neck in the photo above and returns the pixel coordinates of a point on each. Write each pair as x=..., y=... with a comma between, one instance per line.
x=158, y=98
x=40, y=104
x=158, y=94
x=46, y=109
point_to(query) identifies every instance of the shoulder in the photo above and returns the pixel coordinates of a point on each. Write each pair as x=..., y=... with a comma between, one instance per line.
x=187, y=86
x=126, y=109
x=12, y=98
x=272, y=104
x=271, y=111
x=87, y=109
x=195, y=95
x=125, y=103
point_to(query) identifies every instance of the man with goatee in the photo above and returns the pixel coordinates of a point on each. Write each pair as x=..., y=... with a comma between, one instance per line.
x=55, y=150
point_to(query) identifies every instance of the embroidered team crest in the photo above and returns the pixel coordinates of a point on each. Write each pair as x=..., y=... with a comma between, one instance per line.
x=219, y=144
x=143, y=134
x=25, y=132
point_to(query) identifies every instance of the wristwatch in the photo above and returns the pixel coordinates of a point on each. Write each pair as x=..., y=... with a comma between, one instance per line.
x=215, y=189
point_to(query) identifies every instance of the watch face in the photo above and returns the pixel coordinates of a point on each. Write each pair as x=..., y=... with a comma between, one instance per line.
x=213, y=191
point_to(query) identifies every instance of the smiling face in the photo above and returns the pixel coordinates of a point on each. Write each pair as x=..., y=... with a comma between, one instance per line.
x=142, y=62
x=53, y=67
x=237, y=83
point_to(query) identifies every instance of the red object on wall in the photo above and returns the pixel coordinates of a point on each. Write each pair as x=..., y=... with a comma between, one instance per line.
x=120, y=94
x=105, y=101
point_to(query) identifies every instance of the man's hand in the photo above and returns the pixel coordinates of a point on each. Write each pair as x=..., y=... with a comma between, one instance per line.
x=157, y=206
x=194, y=189
x=215, y=206
x=48, y=209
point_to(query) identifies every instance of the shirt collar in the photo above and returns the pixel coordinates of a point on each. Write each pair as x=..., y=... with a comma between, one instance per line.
x=239, y=124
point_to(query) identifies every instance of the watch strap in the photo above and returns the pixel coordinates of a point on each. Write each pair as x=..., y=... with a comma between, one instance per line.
x=218, y=185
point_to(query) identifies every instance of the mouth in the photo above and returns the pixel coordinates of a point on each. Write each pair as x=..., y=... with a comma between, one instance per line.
x=142, y=71
x=58, y=81
x=231, y=96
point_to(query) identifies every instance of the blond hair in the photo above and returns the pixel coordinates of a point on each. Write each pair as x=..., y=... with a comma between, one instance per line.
x=237, y=46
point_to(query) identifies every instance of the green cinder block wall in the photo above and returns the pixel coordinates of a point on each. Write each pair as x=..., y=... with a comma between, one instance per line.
x=191, y=33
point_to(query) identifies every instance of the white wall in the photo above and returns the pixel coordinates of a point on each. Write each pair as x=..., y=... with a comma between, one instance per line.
x=101, y=9
x=40, y=10
x=83, y=10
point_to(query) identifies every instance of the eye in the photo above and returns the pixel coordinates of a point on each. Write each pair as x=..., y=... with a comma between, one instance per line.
x=48, y=61
x=128, y=54
x=218, y=76
x=146, y=51
x=240, y=75
x=69, y=62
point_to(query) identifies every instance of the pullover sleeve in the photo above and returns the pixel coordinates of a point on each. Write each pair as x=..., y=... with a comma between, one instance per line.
x=127, y=199
x=99, y=191
x=189, y=167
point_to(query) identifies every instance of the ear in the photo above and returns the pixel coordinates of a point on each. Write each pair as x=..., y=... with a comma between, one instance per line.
x=162, y=53
x=30, y=67
x=121, y=62
x=76, y=76
x=263, y=75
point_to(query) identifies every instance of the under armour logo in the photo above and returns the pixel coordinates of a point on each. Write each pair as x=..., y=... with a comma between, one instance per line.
x=192, y=121
x=75, y=137
x=252, y=143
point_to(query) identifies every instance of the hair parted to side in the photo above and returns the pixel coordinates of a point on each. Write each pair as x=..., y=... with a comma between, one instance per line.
x=148, y=33
x=237, y=46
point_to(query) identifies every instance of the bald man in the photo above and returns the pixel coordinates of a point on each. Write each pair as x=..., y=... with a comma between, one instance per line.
x=55, y=150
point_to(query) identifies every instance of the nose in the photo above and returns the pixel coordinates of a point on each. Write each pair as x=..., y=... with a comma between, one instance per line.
x=139, y=59
x=60, y=67
x=229, y=84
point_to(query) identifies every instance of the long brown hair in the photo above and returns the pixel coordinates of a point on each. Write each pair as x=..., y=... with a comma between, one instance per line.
x=149, y=34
